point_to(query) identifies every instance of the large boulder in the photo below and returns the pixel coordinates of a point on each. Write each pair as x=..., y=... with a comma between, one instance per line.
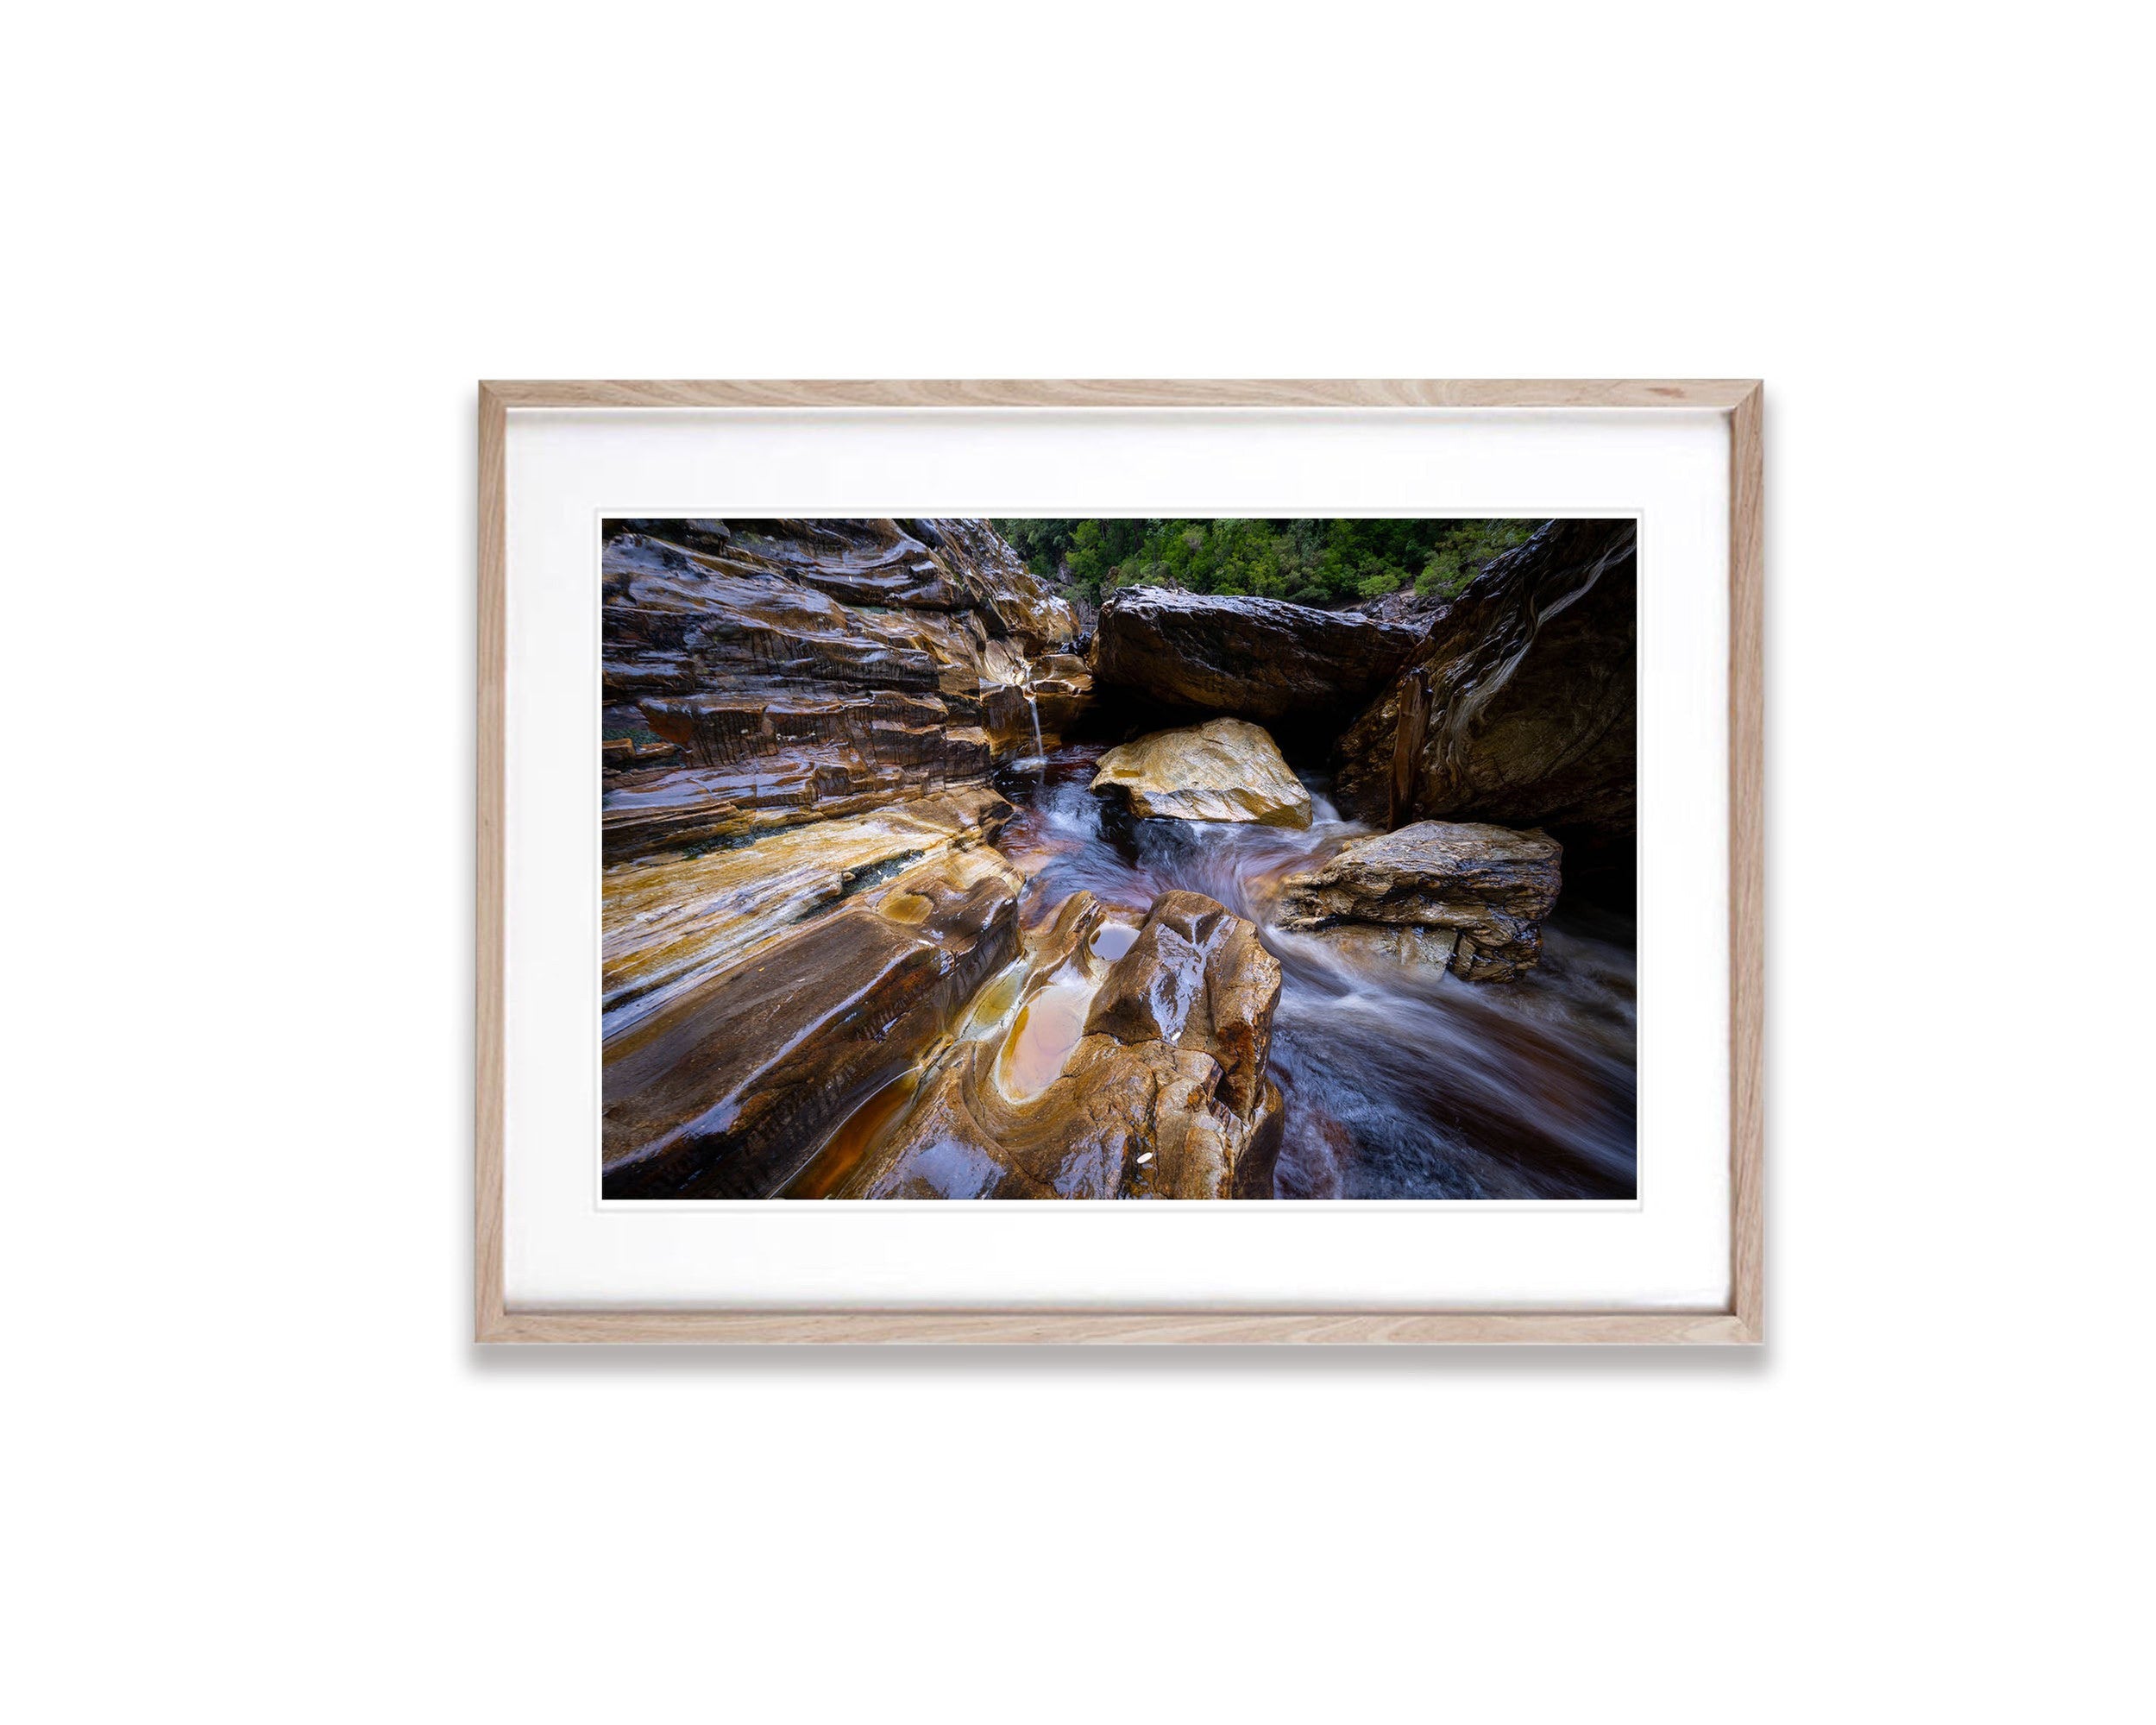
x=1225, y=770
x=1517, y=706
x=1466, y=897
x=1282, y=664
x=1106, y=1066
x=765, y=673
x=727, y=1088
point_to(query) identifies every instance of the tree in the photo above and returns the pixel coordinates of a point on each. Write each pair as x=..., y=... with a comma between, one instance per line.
x=1311, y=561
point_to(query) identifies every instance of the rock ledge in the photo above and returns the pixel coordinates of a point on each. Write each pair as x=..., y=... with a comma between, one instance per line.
x=1469, y=897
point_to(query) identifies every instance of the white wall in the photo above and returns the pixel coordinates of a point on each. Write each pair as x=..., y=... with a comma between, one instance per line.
x=262, y=255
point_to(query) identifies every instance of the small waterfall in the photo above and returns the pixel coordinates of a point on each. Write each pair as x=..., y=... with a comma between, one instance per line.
x=1039, y=751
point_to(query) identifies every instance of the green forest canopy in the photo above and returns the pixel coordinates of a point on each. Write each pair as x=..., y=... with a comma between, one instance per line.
x=1311, y=562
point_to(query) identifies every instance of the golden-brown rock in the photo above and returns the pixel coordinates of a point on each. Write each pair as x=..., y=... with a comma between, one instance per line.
x=728, y=1087
x=1228, y=770
x=667, y=922
x=1197, y=977
x=1078, y=1075
x=766, y=673
x=1465, y=895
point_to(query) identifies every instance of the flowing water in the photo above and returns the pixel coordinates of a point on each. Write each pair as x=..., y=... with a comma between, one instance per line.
x=1033, y=712
x=1400, y=1082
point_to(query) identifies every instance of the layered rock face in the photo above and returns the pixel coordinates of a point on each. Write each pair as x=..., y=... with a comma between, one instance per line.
x=1111, y=1064
x=1225, y=770
x=1253, y=658
x=797, y=671
x=1466, y=897
x=727, y=1085
x=1517, y=706
x=669, y=922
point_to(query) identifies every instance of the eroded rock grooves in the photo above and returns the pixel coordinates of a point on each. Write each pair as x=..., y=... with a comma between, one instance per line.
x=1157, y=1087
x=727, y=1089
x=1517, y=707
x=764, y=673
x=675, y=919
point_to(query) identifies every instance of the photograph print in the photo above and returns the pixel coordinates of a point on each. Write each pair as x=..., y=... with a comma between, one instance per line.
x=1228, y=860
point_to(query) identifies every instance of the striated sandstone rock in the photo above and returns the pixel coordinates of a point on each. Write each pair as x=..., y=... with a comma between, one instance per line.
x=1517, y=706
x=1225, y=770
x=645, y=813
x=1080, y=1075
x=794, y=670
x=727, y=1088
x=669, y=922
x=619, y=752
x=1468, y=896
x=1254, y=659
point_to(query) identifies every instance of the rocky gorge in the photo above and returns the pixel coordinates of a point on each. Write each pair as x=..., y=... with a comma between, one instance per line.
x=911, y=889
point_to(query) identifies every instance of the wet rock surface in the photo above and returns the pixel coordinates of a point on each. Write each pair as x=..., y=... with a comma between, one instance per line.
x=669, y=922
x=766, y=673
x=1061, y=688
x=1465, y=897
x=1517, y=706
x=1141, y=1075
x=1251, y=658
x=1196, y=976
x=1228, y=770
x=727, y=1088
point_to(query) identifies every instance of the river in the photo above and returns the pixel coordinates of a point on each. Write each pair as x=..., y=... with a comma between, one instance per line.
x=1400, y=1083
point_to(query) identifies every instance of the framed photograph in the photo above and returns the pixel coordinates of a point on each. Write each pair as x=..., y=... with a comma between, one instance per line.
x=1311, y=893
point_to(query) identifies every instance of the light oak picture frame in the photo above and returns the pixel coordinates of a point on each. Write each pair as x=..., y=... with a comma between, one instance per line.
x=1738, y=401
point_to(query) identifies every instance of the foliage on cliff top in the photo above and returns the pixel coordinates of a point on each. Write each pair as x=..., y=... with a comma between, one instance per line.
x=1310, y=562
